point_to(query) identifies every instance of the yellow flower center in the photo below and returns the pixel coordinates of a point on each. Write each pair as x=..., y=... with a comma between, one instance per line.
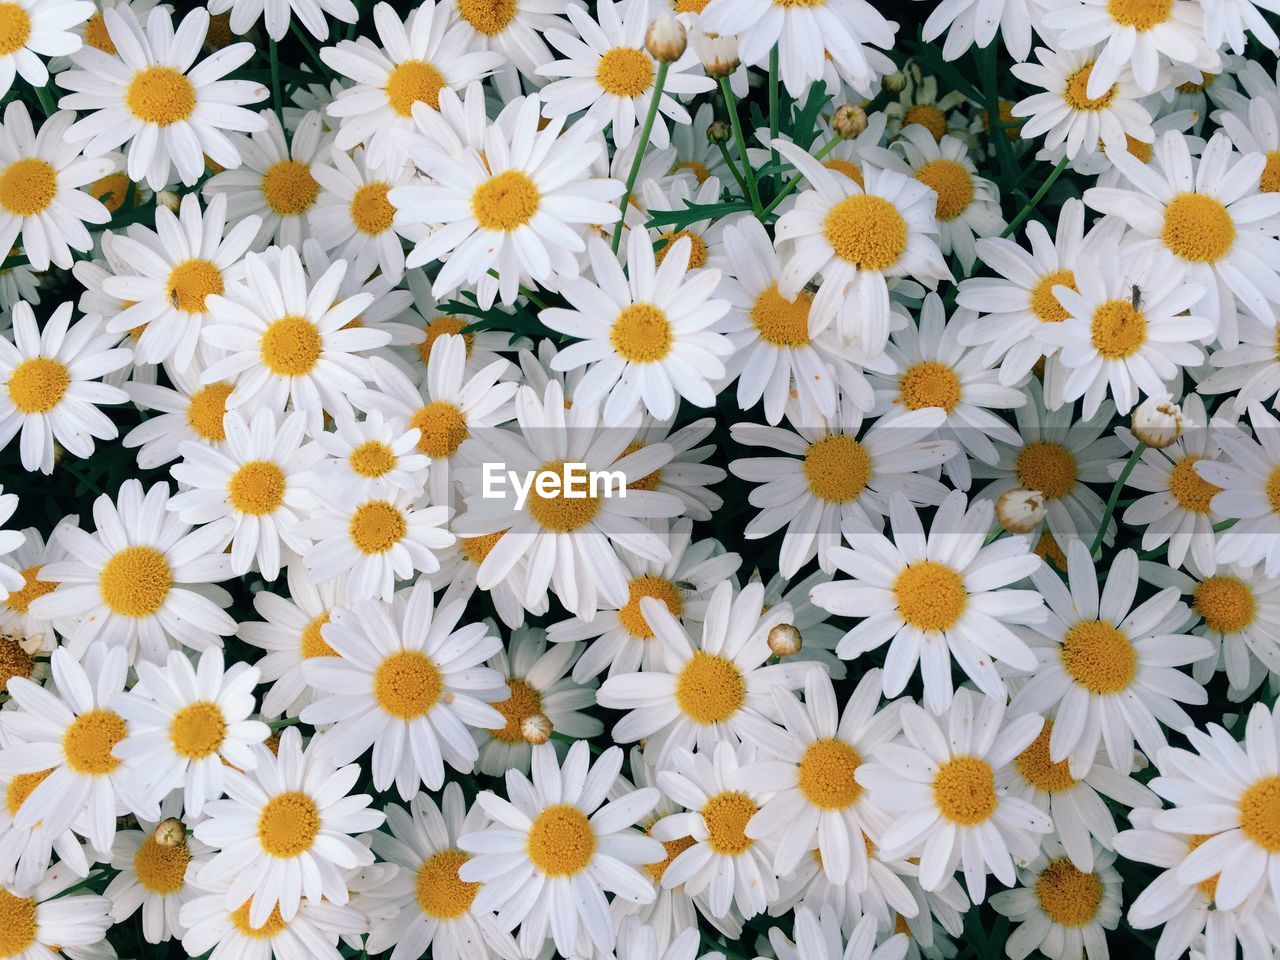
x=1226, y=603
x=965, y=791
x=1044, y=304
x=38, y=384
x=438, y=328
x=1038, y=768
x=289, y=188
x=407, y=684
x=288, y=824
x=206, y=410
x=487, y=17
x=190, y=282
x=373, y=458
x=867, y=232
x=659, y=588
x=21, y=787
x=1209, y=886
x=710, y=689
x=1270, y=181
x=726, y=815
x=1191, y=490
x=1117, y=330
x=161, y=870
x=1273, y=489
x=135, y=582
x=89, y=740
x=691, y=6
x=376, y=527
x=443, y=427
x=257, y=488
x=1207, y=80
x=1260, y=813
x=641, y=334
x=273, y=925
x=506, y=202
x=111, y=190
x=1077, y=99
x=476, y=549
x=17, y=914
x=930, y=596
x=1047, y=549
x=15, y=30
x=1142, y=15
x=826, y=774
x=198, y=730
x=312, y=643
x=930, y=384
x=951, y=182
x=525, y=701
x=847, y=167
x=1068, y=896
x=697, y=247
x=14, y=661
x=28, y=186
x=561, y=841
x=699, y=170
x=1046, y=466
x=370, y=210
x=1099, y=657
x=291, y=346
x=782, y=322
x=442, y=895
x=160, y=95
x=32, y=588
x=96, y=35
x=673, y=849
x=414, y=81
x=650, y=481
x=1137, y=148
x=625, y=72
x=929, y=117
x=837, y=468
x=1198, y=228
x=557, y=512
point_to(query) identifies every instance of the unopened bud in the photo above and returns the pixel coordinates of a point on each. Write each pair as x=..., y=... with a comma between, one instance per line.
x=666, y=39
x=170, y=833
x=894, y=82
x=1019, y=511
x=169, y=199
x=718, y=53
x=785, y=640
x=718, y=132
x=1158, y=421
x=849, y=121
x=536, y=728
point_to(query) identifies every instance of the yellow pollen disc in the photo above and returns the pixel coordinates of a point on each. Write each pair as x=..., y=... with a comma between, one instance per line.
x=15, y=30
x=929, y=117
x=312, y=643
x=699, y=170
x=28, y=186
x=273, y=925
x=561, y=841
x=659, y=588
x=14, y=661
x=257, y=488
x=161, y=870
x=965, y=791
x=1206, y=82
x=414, y=81
x=1137, y=148
x=89, y=740
x=487, y=17
x=111, y=190
x=1191, y=490
x=32, y=588
x=697, y=248
x=376, y=527
x=524, y=702
x=21, y=787
x=1209, y=886
x=1117, y=330
x=1270, y=181
x=1099, y=657
x=198, y=730
x=691, y=6
x=288, y=824
x=847, y=167
x=1198, y=228
x=930, y=384
x=1048, y=467
x=1047, y=549
x=837, y=468
x=900, y=925
x=867, y=232
x=135, y=582
x=506, y=202
x=438, y=328
x=782, y=322
x=1273, y=489
x=1142, y=15
x=625, y=72
x=557, y=512
x=291, y=346
x=1069, y=897
x=641, y=334
x=1012, y=125
x=476, y=549
x=38, y=384
x=407, y=684
x=930, y=596
x=443, y=427
x=206, y=410
x=160, y=95
x=710, y=689
x=1226, y=603
x=1077, y=99
x=673, y=849
x=17, y=914
x=373, y=458
x=190, y=282
x=96, y=35
x=1044, y=304
x=726, y=815
x=826, y=774
x=370, y=210
x=289, y=188
x=1260, y=813
x=1039, y=770
x=951, y=182
x=441, y=894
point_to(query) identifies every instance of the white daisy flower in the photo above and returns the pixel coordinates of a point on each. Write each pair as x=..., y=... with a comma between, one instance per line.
x=153, y=95
x=687, y=475
x=18, y=624
x=154, y=876
x=404, y=681
x=11, y=580
x=374, y=456
x=277, y=15
x=656, y=198
x=1225, y=23
x=49, y=393
x=460, y=568
x=936, y=598
x=1249, y=372
x=193, y=414
x=513, y=28
x=483, y=346
x=821, y=939
x=1248, y=482
x=48, y=922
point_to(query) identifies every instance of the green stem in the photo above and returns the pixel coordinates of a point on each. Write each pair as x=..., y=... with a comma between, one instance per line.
x=534, y=298
x=307, y=45
x=731, y=104
x=1115, y=495
x=277, y=101
x=773, y=112
x=795, y=181
x=46, y=101
x=733, y=168
x=645, y=131
x=1026, y=211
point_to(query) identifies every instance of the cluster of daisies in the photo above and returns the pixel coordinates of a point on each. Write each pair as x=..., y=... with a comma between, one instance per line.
x=929, y=605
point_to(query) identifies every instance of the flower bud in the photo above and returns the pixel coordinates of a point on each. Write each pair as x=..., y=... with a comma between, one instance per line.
x=536, y=728
x=1158, y=421
x=849, y=121
x=894, y=82
x=785, y=640
x=1019, y=511
x=718, y=132
x=170, y=833
x=666, y=39
x=717, y=53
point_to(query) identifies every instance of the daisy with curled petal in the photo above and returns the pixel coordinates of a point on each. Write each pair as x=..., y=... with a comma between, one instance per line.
x=936, y=598
x=17, y=623
x=833, y=473
x=283, y=833
x=609, y=73
x=712, y=689
x=822, y=939
x=1108, y=667
x=253, y=489
x=1248, y=482
x=153, y=875
x=144, y=580
x=47, y=921
x=277, y=14
x=556, y=846
x=172, y=111
x=41, y=204
x=193, y=413
x=373, y=456
x=940, y=790
x=406, y=682
x=47, y=388
x=856, y=237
